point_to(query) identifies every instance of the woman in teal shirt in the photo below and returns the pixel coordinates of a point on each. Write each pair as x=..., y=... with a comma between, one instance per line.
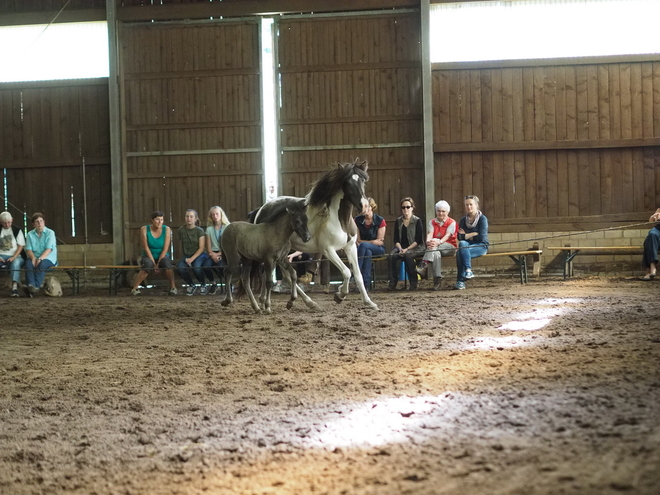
x=41, y=250
x=156, y=240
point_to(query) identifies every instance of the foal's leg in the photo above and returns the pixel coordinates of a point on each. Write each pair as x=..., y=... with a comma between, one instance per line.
x=267, y=286
x=290, y=273
x=247, y=268
x=232, y=270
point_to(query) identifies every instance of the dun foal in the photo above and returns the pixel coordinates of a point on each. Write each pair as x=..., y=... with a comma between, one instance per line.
x=269, y=243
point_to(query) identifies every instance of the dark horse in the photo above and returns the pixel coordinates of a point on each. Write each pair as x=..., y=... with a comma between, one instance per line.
x=269, y=242
x=329, y=209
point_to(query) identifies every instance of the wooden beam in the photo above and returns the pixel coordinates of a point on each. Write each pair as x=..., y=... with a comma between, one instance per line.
x=55, y=162
x=57, y=83
x=546, y=145
x=631, y=217
x=546, y=62
x=252, y=7
x=67, y=15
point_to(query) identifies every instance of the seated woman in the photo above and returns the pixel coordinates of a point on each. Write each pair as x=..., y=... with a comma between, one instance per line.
x=408, y=244
x=41, y=250
x=440, y=241
x=371, y=239
x=12, y=253
x=193, y=245
x=651, y=248
x=156, y=240
x=472, y=240
x=214, y=263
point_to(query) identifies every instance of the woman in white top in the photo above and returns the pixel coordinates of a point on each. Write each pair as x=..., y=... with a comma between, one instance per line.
x=217, y=221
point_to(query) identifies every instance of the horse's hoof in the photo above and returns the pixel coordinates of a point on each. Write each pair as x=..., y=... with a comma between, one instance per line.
x=224, y=303
x=338, y=299
x=314, y=307
x=374, y=306
x=289, y=305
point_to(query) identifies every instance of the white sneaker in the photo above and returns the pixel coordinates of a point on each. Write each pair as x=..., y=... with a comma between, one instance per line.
x=203, y=290
x=136, y=292
x=468, y=274
x=191, y=290
x=173, y=291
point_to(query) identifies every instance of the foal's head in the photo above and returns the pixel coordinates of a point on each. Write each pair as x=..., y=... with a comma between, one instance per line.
x=298, y=219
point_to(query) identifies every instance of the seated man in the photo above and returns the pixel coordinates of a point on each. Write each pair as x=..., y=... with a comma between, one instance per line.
x=12, y=254
x=41, y=251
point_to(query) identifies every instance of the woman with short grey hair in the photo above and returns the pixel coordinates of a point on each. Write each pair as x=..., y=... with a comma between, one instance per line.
x=441, y=241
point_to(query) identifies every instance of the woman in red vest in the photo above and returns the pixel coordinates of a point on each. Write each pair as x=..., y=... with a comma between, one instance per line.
x=440, y=241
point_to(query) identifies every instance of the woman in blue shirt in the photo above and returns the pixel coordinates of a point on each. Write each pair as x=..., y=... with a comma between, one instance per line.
x=472, y=240
x=41, y=250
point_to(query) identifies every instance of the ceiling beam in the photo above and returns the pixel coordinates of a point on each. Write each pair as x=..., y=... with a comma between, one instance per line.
x=46, y=17
x=252, y=7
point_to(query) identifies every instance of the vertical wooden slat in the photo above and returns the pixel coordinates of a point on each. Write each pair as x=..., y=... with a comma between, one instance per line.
x=496, y=106
x=647, y=100
x=626, y=101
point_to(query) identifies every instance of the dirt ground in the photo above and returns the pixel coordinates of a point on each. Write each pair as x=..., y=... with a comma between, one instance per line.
x=552, y=387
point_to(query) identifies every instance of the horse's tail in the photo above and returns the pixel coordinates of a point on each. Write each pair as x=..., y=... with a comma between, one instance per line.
x=255, y=281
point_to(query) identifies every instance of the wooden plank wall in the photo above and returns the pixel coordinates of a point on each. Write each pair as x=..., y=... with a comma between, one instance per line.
x=348, y=82
x=191, y=121
x=550, y=148
x=47, y=129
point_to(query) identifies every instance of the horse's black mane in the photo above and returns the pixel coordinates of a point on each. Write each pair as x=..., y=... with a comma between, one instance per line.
x=276, y=209
x=330, y=182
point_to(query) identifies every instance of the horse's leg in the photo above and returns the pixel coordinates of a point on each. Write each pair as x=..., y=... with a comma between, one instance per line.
x=230, y=272
x=245, y=277
x=267, y=286
x=334, y=258
x=351, y=253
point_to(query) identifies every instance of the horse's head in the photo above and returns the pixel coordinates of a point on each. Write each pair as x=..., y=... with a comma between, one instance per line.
x=298, y=219
x=353, y=187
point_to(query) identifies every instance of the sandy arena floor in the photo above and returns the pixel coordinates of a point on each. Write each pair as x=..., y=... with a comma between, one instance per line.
x=548, y=388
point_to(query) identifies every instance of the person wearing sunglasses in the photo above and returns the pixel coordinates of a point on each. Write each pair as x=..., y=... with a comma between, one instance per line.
x=472, y=240
x=408, y=244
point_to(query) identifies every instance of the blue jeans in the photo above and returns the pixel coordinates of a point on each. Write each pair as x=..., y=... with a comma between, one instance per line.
x=365, y=251
x=211, y=267
x=651, y=247
x=183, y=269
x=15, y=268
x=36, y=276
x=464, y=255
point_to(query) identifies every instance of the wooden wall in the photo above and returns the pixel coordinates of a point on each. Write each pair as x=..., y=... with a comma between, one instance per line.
x=552, y=145
x=351, y=87
x=191, y=114
x=47, y=130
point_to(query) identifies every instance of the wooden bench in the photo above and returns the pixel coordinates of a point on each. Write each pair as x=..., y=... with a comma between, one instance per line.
x=114, y=274
x=571, y=252
x=519, y=257
x=74, y=272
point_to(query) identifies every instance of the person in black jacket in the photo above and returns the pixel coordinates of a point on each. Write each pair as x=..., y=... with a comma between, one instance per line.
x=408, y=244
